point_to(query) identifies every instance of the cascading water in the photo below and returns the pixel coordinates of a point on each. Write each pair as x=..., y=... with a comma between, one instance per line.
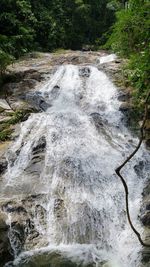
x=61, y=172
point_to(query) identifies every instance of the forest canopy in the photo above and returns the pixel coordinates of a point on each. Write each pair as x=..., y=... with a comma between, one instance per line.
x=45, y=25
x=121, y=26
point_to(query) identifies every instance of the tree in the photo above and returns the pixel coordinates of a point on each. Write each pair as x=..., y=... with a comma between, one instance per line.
x=16, y=26
x=130, y=38
x=5, y=59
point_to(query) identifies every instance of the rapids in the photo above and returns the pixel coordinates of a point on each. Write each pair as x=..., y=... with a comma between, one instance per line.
x=69, y=191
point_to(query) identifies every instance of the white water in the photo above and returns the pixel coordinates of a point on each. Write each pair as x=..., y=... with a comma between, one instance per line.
x=78, y=171
x=107, y=59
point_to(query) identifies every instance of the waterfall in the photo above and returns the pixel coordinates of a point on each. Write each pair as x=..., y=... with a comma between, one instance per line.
x=61, y=175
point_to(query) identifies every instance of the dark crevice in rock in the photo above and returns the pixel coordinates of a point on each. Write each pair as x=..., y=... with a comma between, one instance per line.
x=84, y=72
x=40, y=147
x=5, y=247
x=3, y=166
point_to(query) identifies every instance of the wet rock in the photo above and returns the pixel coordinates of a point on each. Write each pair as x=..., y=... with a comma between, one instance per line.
x=59, y=207
x=55, y=91
x=145, y=210
x=123, y=96
x=11, y=207
x=37, y=101
x=17, y=237
x=43, y=105
x=145, y=219
x=3, y=219
x=147, y=142
x=57, y=259
x=139, y=167
x=4, y=105
x=146, y=191
x=84, y=72
x=146, y=255
x=125, y=107
x=40, y=213
x=97, y=120
x=40, y=147
x=5, y=248
x=147, y=125
x=34, y=75
x=3, y=165
x=53, y=259
x=4, y=119
x=23, y=233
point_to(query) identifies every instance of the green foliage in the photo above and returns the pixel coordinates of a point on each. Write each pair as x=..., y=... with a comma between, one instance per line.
x=17, y=117
x=16, y=26
x=5, y=134
x=5, y=59
x=131, y=31
x=138, y=72
x=6, y=126
x=130, y=38
x=45, y=25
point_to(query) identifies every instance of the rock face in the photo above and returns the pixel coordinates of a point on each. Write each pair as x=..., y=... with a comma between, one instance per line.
x=22, y=233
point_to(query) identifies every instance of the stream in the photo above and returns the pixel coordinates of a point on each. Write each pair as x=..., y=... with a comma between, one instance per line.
x=65, y=205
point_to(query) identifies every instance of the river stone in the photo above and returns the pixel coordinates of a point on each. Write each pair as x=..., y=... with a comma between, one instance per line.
x=125, y=107
x=53, y=259
x=123, y=96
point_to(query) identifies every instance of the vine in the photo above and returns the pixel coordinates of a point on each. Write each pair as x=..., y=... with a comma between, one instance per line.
x=122, y=178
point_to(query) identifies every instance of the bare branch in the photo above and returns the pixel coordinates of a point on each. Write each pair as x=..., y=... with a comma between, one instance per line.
x=123, y=180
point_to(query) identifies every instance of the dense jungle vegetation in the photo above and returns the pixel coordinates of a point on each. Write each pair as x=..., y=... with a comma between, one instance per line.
x=45, y=25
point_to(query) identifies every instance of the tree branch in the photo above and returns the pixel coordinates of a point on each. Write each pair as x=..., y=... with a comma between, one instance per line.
x=123, y=180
